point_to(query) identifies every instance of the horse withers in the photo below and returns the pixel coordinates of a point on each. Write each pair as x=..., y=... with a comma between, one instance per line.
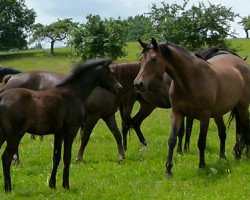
x=201, y=90
x=55, y=111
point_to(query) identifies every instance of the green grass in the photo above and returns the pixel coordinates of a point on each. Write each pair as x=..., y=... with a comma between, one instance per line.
x=141, y=175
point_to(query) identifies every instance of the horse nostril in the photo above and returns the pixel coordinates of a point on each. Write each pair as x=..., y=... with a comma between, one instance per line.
x=139, y=86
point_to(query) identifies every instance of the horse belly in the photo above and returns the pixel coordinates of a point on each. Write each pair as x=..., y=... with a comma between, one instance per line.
x=230, y=94
x=102, y=102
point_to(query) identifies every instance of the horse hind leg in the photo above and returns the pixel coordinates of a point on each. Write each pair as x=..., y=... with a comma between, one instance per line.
x=125, y=112
x=86, y=131
x=189, y=125
x=11, y=148
x=222, y=135
x=242, y=131
x=204, y=123
x=111, y=123
x=58, y=139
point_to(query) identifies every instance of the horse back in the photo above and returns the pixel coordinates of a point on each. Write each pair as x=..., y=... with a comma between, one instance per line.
x=40, y=112
x=35, y=80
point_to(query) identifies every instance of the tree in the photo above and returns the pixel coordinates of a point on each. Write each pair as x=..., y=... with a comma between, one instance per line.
x=139, y=26
x=246, y=24
x=100, y=38
x=15, y=23
x=193, y=28
x=57, y=31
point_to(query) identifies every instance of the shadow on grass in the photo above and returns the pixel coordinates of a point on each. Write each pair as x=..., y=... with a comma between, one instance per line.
x=218, y=169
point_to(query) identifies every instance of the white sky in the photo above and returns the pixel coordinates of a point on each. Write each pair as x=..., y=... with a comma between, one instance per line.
x=50, y=10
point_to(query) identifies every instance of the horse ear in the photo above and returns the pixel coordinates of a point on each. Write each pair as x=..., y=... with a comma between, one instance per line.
x=154, y=43
x=143, y=44
x=108, y=62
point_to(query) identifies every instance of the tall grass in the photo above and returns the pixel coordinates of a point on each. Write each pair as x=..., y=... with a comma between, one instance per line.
x=141, y=175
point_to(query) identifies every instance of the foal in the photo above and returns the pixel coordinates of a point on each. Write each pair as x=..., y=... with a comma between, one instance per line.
x=55, y=111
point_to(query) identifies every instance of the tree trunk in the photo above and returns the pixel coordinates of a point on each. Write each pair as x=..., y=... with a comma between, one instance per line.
x=52, y=48
x=246, y=33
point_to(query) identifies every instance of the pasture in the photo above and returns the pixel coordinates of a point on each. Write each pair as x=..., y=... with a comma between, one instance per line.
x=141, y=175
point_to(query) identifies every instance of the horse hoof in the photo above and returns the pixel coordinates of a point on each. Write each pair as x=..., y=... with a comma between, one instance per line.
x=169, y=175
x=202, y=165
x=78, y=160
x=143, y=148
x=52, y=184
x=15, y=162
x=223, y=157
x=66, y=186
x=179, y=152
x=121, y=158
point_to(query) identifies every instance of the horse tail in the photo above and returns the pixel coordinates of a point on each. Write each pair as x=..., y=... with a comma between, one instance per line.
x=231, y=117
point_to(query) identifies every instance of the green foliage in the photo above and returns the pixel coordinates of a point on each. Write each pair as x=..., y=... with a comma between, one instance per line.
x=193, y=28
x=100, y=38
x=57, y=31
x=139, y=26
x=15, y=22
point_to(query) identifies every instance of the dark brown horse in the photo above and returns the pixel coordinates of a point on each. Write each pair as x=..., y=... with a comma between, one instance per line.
x=93, y=107
x=57, y=111
x=201, y=90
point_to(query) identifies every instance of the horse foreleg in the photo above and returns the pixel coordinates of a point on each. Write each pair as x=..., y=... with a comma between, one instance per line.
x=204, y=123
x=111, y=123
x=86, y=131
x=58, y=139
x=222, y=134
x=176, y=121
x=68, y=141
x=189, y=125
x=145, y=110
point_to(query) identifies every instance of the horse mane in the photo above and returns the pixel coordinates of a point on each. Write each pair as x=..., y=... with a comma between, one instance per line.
x=125, y=73
x=166, y=51
x=213, y=51
x=81, y=68
x=8, y=70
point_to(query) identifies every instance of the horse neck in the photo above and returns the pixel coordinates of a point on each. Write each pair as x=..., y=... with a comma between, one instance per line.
x=82, y=87
x=181, y=67
x=126, y=73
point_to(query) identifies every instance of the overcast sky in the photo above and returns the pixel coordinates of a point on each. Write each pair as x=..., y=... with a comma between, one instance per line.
x=50, y=10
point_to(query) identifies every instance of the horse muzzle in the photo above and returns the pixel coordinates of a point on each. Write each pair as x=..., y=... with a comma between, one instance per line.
x=139, y=86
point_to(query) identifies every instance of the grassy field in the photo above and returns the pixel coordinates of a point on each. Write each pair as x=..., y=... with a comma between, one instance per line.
x=141, y=175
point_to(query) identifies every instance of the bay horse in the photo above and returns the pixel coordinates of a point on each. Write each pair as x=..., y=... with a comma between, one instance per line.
x=157, y=94
x=201, y=90
x=57, y=111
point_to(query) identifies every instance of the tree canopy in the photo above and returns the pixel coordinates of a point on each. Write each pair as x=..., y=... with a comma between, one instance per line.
x=56, y=31
x=100, y=38
x=15, y=23
x=195, y=27
x=246, y=24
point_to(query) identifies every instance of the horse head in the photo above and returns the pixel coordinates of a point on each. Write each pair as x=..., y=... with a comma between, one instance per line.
x=152, y=65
